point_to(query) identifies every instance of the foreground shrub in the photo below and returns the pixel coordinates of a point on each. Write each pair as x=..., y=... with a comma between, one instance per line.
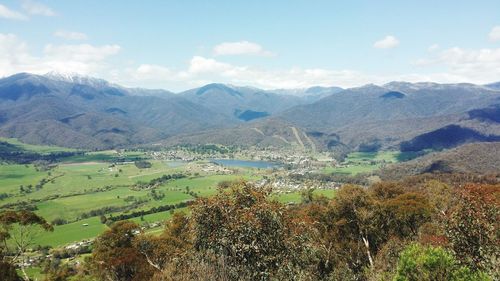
x=473, y=227
x=254, y=236
x=420, y=263
x=8, y=272
x=115, y=258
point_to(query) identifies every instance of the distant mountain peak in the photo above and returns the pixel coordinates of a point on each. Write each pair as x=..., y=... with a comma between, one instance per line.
x=72, y=77
x=368, y=88
x=417, y=86
x=218, y=86
x=321, y=90
x=401, y=86
x=494, y=86
x=315, y=91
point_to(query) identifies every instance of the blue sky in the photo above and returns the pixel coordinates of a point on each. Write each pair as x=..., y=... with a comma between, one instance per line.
x=178, y=45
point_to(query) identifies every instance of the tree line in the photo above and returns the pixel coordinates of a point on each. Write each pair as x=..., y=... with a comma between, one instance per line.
x=158, y=209
x=158, y=181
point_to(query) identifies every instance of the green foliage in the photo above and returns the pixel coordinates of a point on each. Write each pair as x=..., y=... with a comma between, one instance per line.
x=420, y=263
x=8, y=272
x=207, y=148
x=18, y=227
x=158, y=181
x=143, y=164
x=115, y=258
x=172, y=244
x=8, y=219
x=472, y=227
x=307, y=195
x=253, y=235
x=245, y=233
x=366, y=162
x=356, y=224
x=43, y=149
x=406, y=213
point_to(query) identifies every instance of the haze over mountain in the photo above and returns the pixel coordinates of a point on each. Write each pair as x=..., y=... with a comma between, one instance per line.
x=91, y=113
x=397, y=115
x=85, y=112
x=495, y=86
x=246, y=103
x=372, y=116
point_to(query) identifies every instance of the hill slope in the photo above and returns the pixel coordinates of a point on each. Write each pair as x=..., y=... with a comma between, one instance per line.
x=472, y=158
x=272, y=132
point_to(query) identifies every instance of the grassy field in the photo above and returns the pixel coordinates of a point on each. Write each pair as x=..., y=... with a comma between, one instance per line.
x=106, y=156
x=34, y=273
x=76, y=186
x=365, y=162
x=68, y=208
x=88, y=182
x=13, y=175
x=35, y=148
x=295, y=196
x=78, y=183
x=71, y=232
x=90, y=228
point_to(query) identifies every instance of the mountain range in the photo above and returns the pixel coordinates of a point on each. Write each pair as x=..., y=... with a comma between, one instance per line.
x=84, y=112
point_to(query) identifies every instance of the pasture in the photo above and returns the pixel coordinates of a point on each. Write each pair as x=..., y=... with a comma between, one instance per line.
x=78, y=185
x=35, y=148
x=80, y=189
x=366, y=162
x=296, y=197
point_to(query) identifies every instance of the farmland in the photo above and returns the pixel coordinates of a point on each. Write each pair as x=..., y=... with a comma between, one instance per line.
x=77, y=191
x=74, y=192
x=365, y=162
x=82, y=187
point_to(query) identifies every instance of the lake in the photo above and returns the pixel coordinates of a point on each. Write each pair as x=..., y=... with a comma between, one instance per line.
x=246, y=164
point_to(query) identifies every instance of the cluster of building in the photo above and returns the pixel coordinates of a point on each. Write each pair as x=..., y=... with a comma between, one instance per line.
x=286, y=184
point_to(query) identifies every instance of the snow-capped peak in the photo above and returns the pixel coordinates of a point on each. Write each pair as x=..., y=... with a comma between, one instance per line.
x=72, y=77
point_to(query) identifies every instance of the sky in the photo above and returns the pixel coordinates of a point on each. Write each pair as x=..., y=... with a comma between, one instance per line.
x=178, y=45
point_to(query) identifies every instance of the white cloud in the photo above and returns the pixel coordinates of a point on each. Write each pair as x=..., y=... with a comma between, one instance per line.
x=81, y=52
x=15, y=57
x=387, y=42
x=203, y=69
x=70, y=35
x=7, y=13
x=144, y=75
x=433, y=47
x=455, y=64
x=35, y=8
x=475, y=66
x=240, y=48
x=151, y=68
x=200, y=64
x=495, y=34
x=151, y=72
x=81, y=58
